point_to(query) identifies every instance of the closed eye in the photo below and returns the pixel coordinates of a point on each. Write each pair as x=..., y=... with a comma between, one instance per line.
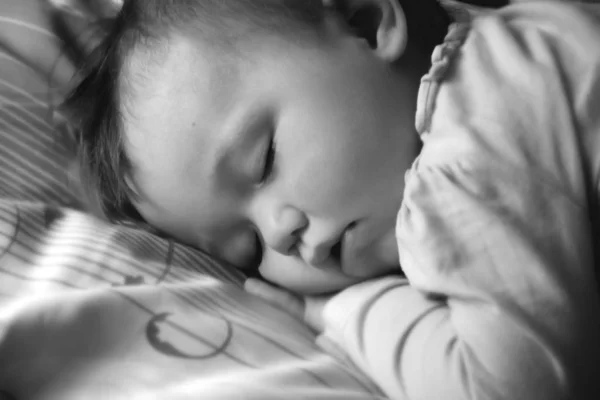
x=268, y=162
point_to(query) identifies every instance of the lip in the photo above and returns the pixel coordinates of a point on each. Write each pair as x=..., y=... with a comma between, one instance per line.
x=325, y=258
x=360, y=256
x=355, y=240
x=348, y=242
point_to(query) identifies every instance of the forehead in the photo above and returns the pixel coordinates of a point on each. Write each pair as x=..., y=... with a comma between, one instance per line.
x=178, y=65
x=169, y=93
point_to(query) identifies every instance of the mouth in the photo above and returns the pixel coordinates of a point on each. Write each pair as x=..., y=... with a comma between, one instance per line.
x=342, y=245
x=336, y=251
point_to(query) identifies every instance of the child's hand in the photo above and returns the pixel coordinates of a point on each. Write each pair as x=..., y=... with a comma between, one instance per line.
x=307, y=308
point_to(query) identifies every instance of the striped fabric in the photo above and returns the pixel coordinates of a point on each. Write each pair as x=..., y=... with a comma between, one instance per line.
x=121, y=310
x=94, y=311
x=33, y=161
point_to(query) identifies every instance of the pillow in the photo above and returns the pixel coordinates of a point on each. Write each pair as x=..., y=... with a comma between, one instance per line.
x=33, y=73
x=94, y=311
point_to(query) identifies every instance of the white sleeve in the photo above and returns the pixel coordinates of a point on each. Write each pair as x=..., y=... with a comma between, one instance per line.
x=502, y=301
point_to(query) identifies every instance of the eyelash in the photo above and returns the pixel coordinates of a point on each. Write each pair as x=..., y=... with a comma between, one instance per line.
x=269, y=161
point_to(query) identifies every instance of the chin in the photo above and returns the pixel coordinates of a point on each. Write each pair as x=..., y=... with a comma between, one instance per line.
x=310, y=282
x=331, y=285
x=293, y=274
x=321, y=287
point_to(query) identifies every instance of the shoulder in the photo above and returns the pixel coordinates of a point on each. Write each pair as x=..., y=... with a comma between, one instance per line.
x=546, y=37
x=508, y=96
x=551, y=17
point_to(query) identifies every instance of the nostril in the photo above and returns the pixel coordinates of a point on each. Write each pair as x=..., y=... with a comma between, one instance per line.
x=285, y=245
x=297, y=233
x=290, y=247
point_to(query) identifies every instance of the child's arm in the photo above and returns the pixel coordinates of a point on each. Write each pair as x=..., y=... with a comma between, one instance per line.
x=501, y=302
x=494, y=233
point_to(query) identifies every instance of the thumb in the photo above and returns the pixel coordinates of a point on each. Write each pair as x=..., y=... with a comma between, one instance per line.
x=313, y=312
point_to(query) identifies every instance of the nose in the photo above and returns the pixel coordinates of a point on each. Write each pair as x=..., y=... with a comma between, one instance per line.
x=283, y=228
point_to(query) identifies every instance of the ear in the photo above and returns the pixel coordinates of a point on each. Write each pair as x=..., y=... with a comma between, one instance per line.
x=382, y=23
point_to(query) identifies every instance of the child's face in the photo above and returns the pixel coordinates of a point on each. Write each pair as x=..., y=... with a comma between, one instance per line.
x=305, y=146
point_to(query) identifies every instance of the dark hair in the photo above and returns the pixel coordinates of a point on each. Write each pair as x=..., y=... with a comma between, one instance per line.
x=94, y=106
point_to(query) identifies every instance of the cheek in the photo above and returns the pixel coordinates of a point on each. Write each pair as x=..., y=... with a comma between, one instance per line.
x=336, y=154
x=327, y=175
x=237, y=248
x=315, y=157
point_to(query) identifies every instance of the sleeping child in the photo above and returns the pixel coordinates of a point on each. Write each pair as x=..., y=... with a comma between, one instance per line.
x=454, y=262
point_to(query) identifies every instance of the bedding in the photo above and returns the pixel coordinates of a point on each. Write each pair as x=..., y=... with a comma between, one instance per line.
x=90, y=310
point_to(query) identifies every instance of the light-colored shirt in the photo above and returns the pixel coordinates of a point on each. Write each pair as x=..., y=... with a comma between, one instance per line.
x=499, y=222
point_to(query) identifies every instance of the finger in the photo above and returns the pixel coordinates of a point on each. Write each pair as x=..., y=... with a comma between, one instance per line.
x=269, y=292
x=277, y=297
x=313, y=311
